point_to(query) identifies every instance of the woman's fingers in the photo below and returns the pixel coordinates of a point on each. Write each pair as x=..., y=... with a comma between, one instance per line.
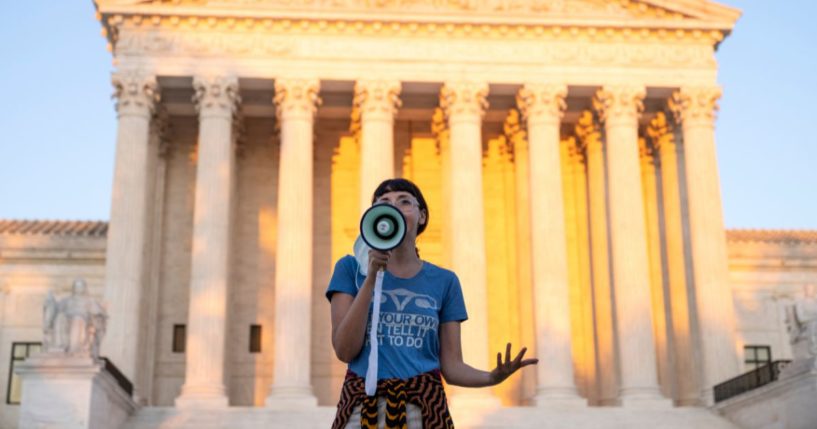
x=519, y=355
x=508, y=354
x=527, y=362
x=378, y=260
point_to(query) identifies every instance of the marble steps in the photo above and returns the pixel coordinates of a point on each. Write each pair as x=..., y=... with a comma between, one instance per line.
x=509, y=417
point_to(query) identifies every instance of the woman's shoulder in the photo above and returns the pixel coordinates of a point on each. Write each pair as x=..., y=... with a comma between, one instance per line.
x=437, y=271
x=347, y=262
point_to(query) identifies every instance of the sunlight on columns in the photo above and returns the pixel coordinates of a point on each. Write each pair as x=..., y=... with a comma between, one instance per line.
x=345, y=188
x=580, y=292
x=422, y=165
x=500, y=238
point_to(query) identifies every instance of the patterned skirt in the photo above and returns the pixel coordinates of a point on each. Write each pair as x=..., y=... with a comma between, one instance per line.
x=424, y=390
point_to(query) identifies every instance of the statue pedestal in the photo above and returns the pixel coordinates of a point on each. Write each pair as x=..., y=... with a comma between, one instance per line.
x=71, y=393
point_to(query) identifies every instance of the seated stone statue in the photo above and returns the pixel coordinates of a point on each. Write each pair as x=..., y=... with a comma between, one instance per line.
x=801, y=324
x=74, y=325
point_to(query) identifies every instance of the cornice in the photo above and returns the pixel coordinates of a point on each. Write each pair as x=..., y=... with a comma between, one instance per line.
x=786, y=236
x=442, y=11
x=252, y=19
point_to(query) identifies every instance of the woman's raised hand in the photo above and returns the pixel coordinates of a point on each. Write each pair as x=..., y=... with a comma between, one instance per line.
x=377, y=261
x=505, y=368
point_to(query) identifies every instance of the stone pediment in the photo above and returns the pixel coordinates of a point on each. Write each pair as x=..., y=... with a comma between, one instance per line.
x=612, y=13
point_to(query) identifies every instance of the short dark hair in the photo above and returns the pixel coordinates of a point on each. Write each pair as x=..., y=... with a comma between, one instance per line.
x=403, y=185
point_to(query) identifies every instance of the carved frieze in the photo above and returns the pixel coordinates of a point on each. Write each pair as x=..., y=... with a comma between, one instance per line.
x=584, y=8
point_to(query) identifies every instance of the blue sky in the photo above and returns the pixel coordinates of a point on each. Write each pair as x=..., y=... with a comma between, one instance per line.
x=58, y=123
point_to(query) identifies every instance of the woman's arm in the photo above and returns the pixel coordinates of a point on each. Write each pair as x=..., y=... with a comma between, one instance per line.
x=458, y=373
x=350, y=314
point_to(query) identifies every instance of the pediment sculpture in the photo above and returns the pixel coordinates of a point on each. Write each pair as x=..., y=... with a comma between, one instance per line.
x=74, y=325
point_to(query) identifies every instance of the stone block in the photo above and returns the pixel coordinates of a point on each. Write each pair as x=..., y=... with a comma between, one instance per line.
x=71, y=393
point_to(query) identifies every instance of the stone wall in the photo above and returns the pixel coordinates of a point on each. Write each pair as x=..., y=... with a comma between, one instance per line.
x=768, y=270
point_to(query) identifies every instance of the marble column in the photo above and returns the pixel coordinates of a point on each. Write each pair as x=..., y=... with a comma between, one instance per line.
x=216, y=100
x=589, y=136
x=664, y=359
x=377, y=102
x=464, y=105
x=515, y=132
x=685, y=370
x=694, y=108
x=619, y=108
x=126, y=264
x=543, y=106
x=296, y=102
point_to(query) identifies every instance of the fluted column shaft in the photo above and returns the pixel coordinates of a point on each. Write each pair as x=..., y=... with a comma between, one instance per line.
x=695, y=109
x=619, y=108
x=543, y=107
x=125, y=268
x=296, y=104
x=378, y=102
x=656, y=280
x=216, y=99
x=686, y=377
x=606, y=357
x=464, y=105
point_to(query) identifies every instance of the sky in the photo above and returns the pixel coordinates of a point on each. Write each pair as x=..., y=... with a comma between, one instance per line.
x=59, y=126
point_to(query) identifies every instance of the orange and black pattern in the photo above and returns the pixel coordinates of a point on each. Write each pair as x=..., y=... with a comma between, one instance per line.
x=424, y=390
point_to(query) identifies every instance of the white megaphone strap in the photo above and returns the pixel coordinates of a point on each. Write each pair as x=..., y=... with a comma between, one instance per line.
x=371, y=371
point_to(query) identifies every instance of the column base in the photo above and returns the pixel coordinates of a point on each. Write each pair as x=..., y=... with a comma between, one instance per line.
x=291, y=397
x=566, y=398
x=707, y=397
x=202, y=397
x=644, y=399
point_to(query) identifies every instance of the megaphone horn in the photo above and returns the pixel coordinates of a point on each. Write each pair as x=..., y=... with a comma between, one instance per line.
x=383, y=227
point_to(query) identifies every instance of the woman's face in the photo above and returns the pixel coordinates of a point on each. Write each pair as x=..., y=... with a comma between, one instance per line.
x=408, y=205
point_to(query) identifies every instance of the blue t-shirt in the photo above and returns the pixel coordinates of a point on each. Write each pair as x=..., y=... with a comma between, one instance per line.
x=411, y=311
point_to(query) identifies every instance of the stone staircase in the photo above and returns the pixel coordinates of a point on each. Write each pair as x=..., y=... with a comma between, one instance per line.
x=510, y=417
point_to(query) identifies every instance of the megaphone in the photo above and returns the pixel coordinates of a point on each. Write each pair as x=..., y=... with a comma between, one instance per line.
x=383, y=227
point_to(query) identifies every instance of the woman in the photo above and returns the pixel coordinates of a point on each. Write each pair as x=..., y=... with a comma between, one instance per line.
x=418, y=332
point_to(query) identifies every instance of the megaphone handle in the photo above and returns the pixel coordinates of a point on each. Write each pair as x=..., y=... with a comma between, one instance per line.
x=371, y=371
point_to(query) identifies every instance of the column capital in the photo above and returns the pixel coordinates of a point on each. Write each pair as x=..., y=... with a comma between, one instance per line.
x=660, y=131
x=514, y=131
x=542, y=101
x=296, y=97
x=161, y=130
x=695, y=104
x=464, y=98
x=216, y=95
x=136, y=92
x=587, y=131
x=646, y=150
x=377, y=99
x=616, y=103
x=574, y=149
